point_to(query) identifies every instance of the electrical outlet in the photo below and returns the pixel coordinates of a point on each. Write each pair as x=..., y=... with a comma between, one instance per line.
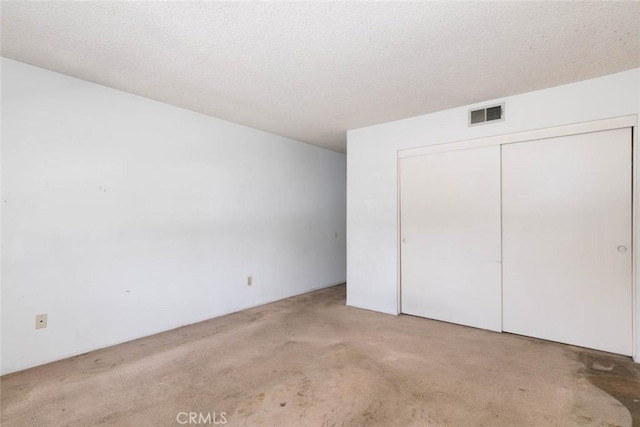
x=249, y=280
x=41, y=321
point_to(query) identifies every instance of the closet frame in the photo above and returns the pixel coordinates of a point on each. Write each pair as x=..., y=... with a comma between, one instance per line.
x=629, y=121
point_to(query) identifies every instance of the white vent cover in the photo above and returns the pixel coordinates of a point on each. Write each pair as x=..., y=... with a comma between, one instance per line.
x=494, y=113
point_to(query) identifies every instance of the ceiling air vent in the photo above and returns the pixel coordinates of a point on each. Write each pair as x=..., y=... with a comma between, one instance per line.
x=494, y=113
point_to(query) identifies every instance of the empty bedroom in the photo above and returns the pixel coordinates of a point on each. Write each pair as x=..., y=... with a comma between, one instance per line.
x=320, y=213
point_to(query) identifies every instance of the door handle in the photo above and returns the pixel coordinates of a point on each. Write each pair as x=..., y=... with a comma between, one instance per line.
x=622, y=249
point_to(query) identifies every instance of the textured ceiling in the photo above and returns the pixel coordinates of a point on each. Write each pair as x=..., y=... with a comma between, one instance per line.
x=310, y=71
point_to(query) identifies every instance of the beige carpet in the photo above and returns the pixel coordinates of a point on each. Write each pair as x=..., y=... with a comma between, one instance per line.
x=312, y=361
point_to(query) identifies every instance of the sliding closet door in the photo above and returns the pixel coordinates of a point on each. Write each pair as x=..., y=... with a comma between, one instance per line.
x=566, y=208
x=450, y=227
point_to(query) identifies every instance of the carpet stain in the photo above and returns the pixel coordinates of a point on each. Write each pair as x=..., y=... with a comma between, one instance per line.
x=617, y=376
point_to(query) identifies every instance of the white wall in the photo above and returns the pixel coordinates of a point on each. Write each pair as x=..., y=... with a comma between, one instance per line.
x=372, y=256
x=123, y=217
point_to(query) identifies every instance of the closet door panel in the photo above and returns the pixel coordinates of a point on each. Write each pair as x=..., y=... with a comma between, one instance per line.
x=450, y=227
x=567, y=258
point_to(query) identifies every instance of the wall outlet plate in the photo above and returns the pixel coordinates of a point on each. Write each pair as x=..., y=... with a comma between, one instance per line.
x=41, y=321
